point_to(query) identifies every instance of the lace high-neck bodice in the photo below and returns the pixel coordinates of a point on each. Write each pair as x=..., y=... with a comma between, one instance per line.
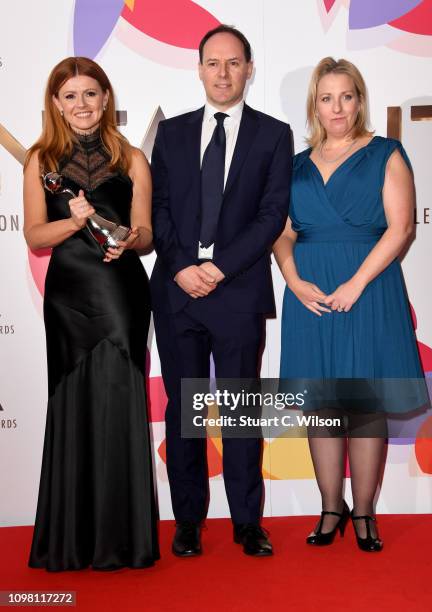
x=108, y=190
x=89, y=164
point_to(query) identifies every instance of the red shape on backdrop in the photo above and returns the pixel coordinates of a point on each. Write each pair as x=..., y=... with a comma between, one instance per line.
x=417, y=21
x=423, y=446
x=329, y=5
x=425, y=353
x=38, y=262
x=214, y=459
x=162, y=450
x=413, y=316
x=157, y=399
x=347, y=467
x=160, y=19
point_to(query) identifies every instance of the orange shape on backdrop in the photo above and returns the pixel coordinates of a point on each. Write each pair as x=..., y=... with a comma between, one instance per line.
x=283, y=459
x=214, y=456
x=287, y=459
x=423, y=446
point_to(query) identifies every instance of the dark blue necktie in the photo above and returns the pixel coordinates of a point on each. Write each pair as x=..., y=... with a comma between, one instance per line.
x=212, y=182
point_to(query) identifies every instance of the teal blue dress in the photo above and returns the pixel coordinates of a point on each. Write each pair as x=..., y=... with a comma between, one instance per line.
x=337, y=225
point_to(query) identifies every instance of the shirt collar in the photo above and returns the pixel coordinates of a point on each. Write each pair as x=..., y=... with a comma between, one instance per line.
x=235, y=112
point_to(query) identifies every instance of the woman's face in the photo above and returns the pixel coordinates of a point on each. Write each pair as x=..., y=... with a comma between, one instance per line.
x=337, y=104
x=82, y=102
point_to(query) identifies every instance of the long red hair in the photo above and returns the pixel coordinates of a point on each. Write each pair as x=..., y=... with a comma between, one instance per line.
x=57, y=138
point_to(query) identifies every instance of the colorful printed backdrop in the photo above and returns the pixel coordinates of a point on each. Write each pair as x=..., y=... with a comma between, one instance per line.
x=149, y=49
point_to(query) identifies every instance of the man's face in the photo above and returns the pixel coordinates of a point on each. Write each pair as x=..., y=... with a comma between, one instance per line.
x=224, y=70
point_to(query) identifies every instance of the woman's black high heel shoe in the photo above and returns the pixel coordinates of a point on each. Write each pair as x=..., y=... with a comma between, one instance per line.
x=369, y=543
x=323, y=539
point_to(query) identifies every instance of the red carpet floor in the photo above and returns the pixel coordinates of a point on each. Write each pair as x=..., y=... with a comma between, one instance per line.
x=297, y=577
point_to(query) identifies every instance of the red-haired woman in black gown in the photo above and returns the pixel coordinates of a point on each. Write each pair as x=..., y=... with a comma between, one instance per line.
x=96, y=502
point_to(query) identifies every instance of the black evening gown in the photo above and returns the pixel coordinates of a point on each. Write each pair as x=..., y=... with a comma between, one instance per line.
x=96, y=502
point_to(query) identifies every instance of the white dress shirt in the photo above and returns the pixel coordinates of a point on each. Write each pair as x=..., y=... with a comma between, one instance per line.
x=231, y=125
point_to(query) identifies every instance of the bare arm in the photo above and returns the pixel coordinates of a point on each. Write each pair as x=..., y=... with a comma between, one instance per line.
x=38, y=231
x=309, y=294
x=141, y=200
x=398, y=197
x=283, y=250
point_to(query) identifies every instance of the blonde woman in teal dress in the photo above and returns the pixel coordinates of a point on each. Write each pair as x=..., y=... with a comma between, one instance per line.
x=345, y=311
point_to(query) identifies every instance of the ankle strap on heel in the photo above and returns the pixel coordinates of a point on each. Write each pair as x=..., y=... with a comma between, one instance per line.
x=323, y=514
x=367, y=519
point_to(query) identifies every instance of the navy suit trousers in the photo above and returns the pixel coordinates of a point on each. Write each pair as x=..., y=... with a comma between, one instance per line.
x=185, y=341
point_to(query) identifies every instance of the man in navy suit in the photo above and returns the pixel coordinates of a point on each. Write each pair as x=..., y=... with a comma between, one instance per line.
x=221, y=181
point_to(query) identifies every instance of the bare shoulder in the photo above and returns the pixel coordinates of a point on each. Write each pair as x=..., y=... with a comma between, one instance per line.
x=137, y=156
x=397, y=166
x=139, y=161
x=33, y=165
x=33, y=173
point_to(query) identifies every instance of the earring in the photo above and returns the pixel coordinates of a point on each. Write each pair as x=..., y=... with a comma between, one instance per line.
x=104, y=108
x=62, y=112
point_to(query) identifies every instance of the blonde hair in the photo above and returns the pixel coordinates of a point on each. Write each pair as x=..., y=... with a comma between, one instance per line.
x=328, y=65
x=57, y=138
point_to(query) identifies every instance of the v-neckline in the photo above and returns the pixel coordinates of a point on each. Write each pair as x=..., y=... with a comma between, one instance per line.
x=340, y=165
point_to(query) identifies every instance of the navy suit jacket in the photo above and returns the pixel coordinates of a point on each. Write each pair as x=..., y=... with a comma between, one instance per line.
x=253, y=213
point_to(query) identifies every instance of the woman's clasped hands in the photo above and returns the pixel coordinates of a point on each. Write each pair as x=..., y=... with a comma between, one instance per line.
x=315, y=300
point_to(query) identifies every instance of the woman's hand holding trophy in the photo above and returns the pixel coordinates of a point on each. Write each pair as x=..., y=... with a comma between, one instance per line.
x=80, y=210
x=111, y=237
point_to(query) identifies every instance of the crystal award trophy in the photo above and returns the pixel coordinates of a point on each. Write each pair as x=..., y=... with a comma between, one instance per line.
x=106, y=233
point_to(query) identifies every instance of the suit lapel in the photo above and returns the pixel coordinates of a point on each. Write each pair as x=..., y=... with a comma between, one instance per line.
x=193, y=128
x=247, y=131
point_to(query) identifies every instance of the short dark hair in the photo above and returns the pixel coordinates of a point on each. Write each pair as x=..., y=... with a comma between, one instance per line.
x=226, y=29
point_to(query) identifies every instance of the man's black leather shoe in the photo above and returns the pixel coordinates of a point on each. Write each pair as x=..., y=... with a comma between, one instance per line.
x=254, y=539
x=187, y=540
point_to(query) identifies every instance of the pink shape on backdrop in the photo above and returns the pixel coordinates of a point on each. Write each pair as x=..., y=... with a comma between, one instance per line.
x=155, y=50
x=38, y=261
x=413, y=44
x=329, y=5
x=160, y=19
x=156, y=396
